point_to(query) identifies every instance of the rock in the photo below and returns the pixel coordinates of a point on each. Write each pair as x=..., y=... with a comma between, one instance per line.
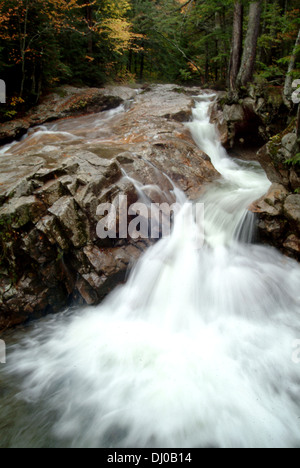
x=272, y=203
x=260, y=104
x=292, y=208
x=63, y=103
x=72, y=220
x=251, y=121
x=292, y=244
x=10, y=131
x=272, y=161
x=49, y=196
x=21, y=211
x=276, y=195
x=279, y=220
x=249, y=103
x=289, y=142
x=237, y=121
x=234, y=113
x=86, y=291
x=294, y=178
x=51, y=192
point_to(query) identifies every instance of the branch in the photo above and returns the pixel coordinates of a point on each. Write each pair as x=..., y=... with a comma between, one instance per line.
x=184, y=5
x=179, y=49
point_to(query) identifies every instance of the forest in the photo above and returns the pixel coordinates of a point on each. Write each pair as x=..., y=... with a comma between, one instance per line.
x=46, y=43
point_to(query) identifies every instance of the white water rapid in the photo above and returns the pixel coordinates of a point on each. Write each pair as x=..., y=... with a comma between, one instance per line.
x=194, y=351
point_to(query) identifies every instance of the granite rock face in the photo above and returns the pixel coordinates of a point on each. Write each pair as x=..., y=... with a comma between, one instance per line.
x=67, y=101
x=52, y=182
x=239, y=122
x=248, y=123
x=279, y=220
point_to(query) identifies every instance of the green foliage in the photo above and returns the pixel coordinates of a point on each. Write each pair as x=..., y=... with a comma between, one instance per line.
x=44, y=43
x=185, y=75
x=294, y=161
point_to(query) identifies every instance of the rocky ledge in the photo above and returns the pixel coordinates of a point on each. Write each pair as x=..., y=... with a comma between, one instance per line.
x=66, y=101
x=52, y=182
x=279, y=220
x=279, y=211
x=249, y=123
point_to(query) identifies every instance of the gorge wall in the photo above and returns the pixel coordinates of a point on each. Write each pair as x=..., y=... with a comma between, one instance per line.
x=250, y=123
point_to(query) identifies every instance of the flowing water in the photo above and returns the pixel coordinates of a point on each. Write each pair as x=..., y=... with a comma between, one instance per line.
x=196, y=350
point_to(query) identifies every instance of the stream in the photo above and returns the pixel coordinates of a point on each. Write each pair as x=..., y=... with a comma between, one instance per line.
x=195, y=350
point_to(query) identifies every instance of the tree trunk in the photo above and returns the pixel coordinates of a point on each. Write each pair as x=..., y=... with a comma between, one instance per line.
x=261, y=52
x=237, y=45
x=249, y=55
x=287, y=92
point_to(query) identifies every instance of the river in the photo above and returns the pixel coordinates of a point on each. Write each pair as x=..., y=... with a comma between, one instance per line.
x=195, y=350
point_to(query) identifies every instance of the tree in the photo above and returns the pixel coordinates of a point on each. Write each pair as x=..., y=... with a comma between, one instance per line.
x=29, y=29
x=237, y=45
x=287, y=91
x=249, y=54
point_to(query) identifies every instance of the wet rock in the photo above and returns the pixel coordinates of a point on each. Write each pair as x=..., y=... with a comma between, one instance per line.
x=234, y=113
x=292, y=208
x=10, y=131
x=50, y=196
x=289, y=142
x=72, y=219
x=294, y=179
x=238, y=121
x=275, y=158
x=86, y=291
x=51, y=192
x=279, y=219
x=292, y=244
x=21, y=211
x=66, y=101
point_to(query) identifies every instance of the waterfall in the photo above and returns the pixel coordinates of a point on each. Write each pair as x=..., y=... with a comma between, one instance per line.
x=194, y=351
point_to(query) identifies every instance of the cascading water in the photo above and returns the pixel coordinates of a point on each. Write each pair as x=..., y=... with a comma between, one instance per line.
x=194, y=351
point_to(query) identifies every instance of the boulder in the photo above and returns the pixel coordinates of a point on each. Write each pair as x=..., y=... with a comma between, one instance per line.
x=279, y=220
x=237, y=121
x=289, y=142
x=292, y=208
